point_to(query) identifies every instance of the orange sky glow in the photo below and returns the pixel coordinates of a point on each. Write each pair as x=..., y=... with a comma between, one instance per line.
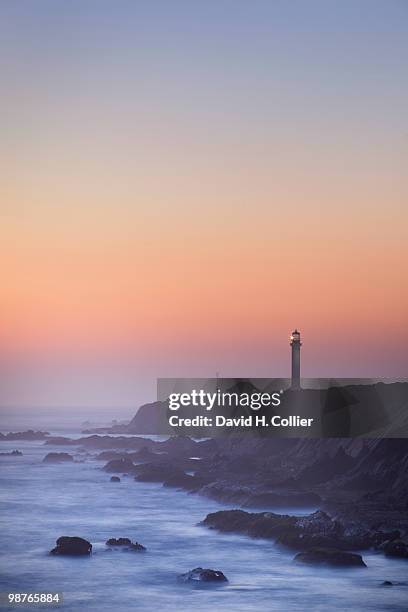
x=175, y=227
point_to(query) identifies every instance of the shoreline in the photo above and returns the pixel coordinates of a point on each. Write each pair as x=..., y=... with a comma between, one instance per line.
x=253, y=473
x=257, y=550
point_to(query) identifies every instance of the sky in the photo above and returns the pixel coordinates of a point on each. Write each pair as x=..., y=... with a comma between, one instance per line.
x=183, y=183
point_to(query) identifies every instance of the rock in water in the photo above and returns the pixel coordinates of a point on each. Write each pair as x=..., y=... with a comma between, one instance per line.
x=118, y=542
x=203, y=575
x=330, y=556
x=115, y=479
x=25, y=435
x=124, y=464
x=125, y=544
x=57, y=458
x=72, y=546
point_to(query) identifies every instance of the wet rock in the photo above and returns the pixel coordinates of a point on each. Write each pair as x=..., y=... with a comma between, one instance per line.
x=14, y=453
x=24, y=435
x=61, y=441
x=179, y=445
x=383, y=536
x=118, y=542
x=115, y=479
x=181, y=480
x=316, y=530
x=72, y=546
x=387, y=583
x=327, y=467
x=227, y=492
x=203, y=575
x=270, y=525
x=395, y=548
x=144, y=454
x=119, y=465
x=58, y=458
x=125, y=544
x=330, y=556
x=96, y=442
x=137, y=546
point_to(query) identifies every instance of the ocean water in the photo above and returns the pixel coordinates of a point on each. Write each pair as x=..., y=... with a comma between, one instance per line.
x=41, y=502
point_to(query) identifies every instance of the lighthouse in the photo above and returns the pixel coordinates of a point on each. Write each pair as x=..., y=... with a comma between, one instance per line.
x=295, y=343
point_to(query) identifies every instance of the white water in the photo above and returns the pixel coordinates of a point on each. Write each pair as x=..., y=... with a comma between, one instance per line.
x=41, y=502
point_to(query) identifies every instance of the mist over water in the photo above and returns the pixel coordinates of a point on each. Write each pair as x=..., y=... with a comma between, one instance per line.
x=70, y=419
x=40, y=502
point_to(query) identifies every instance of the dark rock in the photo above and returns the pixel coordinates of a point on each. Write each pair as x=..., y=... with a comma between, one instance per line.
x=61, y=441
x=57, y=458
x=118, y=542
x=387, y=583
x=144, y=454
x=383, y=536
x=113, y=442
x=119, y=465
x=125, y=544
x=181, y=480
x=152, y=472
x=179, y=445
x=330, y=556
x=14, y=453
x=395, y=548
x=316, y=530
x=137, y=546
x=72, y=546
x=25, y=435
x=327, y=467
x=234, y=521
x=203, y=575
x=227, y=492
x=115, y=479
x=149, y=419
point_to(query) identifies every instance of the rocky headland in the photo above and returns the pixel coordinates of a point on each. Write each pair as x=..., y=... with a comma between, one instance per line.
x=356, y=489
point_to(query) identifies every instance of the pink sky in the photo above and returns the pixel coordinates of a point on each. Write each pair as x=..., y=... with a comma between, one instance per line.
x=175, y=206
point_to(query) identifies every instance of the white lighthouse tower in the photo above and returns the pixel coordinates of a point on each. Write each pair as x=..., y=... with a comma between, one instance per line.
x=295, y=343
